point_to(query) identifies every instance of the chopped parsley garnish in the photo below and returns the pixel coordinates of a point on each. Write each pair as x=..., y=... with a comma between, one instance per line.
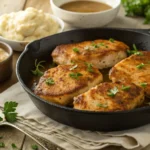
x=75, y=50
x=37, y=71
x=140, y=66
x=13, y=146
x=2, y=145
x=113, y=92
x=95, y=45
x=34, y=147
x=134, y=47
x=9, y=111
x=134, y=51
x=1, y=119
x=144, y=84
x=50, y=81
x=125, y=88
x=101, y=44
x=75, y=75
x=89, y=67
x=112, y=40
x=102, y=105
x=74, y=67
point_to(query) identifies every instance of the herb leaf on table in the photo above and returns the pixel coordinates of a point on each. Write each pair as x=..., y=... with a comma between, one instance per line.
x=10, y=111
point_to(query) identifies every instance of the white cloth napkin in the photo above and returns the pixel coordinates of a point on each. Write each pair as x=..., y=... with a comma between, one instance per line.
x=37, y=124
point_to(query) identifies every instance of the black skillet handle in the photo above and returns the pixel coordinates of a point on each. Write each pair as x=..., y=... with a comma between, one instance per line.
x=145, y=31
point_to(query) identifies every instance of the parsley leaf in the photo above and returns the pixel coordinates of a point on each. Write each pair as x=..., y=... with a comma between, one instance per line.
x=75, y=75
x=140, y=66
x=134, y=51
x=125, y=88
x=9, y=111
x=95, y=45
x=49, y=81
x=37, y=71
x=89, y=67
x=2, y=145
x=102, y=105
x=75, y=50
x=34, y=147
x=112, y=40
x=113, y=92
x=1, y=119
x=137, y=8
x=13, y=146
x=144, y=84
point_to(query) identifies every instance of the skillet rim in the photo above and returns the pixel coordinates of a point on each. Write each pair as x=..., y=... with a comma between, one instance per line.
x=140, y=109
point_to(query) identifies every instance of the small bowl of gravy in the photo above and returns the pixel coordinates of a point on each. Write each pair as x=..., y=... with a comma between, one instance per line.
x=86, y=13
x=6, y=54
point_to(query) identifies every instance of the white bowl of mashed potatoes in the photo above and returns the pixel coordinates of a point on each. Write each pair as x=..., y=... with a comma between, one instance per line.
x=19, y=28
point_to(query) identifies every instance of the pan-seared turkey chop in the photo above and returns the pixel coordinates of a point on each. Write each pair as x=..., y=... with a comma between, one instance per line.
x=62, y=83
x=101, y=53
x=135, y=69
x=110, y=97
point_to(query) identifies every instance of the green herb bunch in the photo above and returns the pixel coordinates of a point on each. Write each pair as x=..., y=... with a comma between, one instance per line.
x=138, y=8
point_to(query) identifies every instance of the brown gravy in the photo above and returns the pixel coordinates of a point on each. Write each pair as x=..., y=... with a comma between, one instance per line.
x=85, y=6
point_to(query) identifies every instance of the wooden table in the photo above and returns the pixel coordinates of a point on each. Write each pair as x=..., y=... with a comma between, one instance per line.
x=11, y=135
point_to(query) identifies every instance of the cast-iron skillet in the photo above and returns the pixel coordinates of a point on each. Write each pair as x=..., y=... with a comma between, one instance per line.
x=104, y=121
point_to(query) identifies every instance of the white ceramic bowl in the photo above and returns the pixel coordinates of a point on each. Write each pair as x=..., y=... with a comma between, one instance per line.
x=20, y=45
x=86, y=20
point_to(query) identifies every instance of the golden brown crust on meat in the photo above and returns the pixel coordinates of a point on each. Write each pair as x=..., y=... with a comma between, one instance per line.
x=65, y=86
x=94, y=52
x=99, y=98
x=136, y=69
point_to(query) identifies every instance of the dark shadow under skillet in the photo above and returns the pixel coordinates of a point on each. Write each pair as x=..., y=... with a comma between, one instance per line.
x=100, y=121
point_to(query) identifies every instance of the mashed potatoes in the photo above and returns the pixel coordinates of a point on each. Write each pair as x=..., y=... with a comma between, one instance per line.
x=27, y=25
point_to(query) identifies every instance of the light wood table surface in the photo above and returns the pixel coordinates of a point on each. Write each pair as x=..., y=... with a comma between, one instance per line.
x=11, y=135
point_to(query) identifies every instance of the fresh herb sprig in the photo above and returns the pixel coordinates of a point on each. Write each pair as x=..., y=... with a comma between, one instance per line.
x=76, y=50
x=113, y=92
x=49, y=81
x=1, y=119
x=75, y=75
x=112, y=40
x=13, y=145
x=140, y=66
x=37, y=71
x=34, y=147
x=89, y=67
x=134, y=51
x=102, y=105
x=2, y=145
x=125, y=88
x=10, y=111
x=137, y=8
x=144, y=84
